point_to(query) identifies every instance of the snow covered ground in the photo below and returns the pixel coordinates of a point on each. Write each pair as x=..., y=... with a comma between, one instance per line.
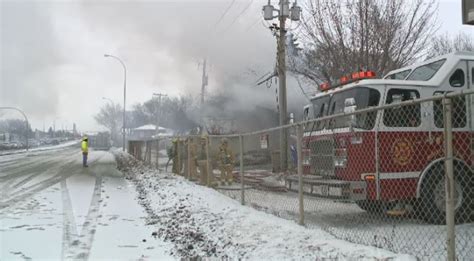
x=201, y=222
x=51, y=209
x=346, y=220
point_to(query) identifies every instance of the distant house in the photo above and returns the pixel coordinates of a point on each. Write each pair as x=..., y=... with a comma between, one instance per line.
x=149, y=131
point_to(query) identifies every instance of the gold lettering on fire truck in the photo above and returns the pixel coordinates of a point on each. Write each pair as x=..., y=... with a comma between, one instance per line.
x=402, y=151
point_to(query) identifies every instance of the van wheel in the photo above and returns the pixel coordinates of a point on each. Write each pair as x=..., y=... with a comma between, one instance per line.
x=433, y=197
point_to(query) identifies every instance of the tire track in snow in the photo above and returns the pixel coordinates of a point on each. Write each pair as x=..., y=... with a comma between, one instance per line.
x=42, y=185
x=80, y=247
x=25, y=168
x=69, y=224
x=30, y=177
x=9, y=185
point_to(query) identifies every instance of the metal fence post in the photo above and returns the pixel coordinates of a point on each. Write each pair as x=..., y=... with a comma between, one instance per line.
x=449, y=180
x=178, y=156
x=208, y=164
x=189, y=158
x=242, y=191
x=299, y=141
x=158, y=155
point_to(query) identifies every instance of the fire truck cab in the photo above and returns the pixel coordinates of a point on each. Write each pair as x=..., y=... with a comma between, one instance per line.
x=380, y=158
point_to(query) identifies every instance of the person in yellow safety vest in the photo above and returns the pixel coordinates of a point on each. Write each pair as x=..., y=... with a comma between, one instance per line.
x=85, y=151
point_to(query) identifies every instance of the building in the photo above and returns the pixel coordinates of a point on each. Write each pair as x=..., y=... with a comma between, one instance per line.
x=149, y=131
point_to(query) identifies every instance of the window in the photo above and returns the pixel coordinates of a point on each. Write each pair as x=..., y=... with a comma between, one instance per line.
x=364, y=97
x=399, y=75
x=457, y=78
x=426, y=72
x=320, y=106
x=306, y=114
x=403, y=116
x=459, y=119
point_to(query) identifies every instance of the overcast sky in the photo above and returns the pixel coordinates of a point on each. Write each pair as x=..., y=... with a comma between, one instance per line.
x=52, y=62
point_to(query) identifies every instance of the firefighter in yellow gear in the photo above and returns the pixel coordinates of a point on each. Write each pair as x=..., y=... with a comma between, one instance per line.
x=192, y=161
x=226, y=162
x=176, y=156
x=85, y=151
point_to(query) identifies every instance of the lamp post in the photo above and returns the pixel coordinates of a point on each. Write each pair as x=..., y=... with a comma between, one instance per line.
x=26, y=119
x=124, y=92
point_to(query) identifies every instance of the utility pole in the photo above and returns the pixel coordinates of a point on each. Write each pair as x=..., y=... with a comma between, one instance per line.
x=159, y=107
x=280, y=32
x=203, y=83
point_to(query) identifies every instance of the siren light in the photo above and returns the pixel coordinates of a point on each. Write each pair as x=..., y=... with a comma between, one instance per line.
x=347, y=79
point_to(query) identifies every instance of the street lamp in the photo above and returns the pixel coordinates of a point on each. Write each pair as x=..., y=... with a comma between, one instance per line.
x=124, y=91
x=26, y=120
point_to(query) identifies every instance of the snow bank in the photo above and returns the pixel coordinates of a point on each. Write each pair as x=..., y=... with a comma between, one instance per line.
x=202, y=222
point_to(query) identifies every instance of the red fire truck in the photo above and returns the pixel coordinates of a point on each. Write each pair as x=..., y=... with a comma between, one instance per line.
x=394, y=156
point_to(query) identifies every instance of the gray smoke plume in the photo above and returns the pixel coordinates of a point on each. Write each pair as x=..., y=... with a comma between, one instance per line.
x=29, y=54
x=52, y=54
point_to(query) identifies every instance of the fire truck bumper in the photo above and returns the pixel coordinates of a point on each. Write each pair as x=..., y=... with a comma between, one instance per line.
x=329, y=188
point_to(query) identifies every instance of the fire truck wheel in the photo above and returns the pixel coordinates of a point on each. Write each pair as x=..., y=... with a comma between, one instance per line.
x=433, y=198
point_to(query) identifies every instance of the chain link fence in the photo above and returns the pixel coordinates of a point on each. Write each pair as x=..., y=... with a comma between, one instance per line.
x=398, y=176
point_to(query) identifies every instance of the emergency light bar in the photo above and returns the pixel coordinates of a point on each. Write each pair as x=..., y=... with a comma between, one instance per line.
x=347, y=79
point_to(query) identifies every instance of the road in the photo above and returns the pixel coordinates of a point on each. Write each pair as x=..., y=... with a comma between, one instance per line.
x=53, y=208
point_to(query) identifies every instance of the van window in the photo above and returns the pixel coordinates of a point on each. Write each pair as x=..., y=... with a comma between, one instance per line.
x=457, y=78
x=426, y=72
x=459, y=112
x=403, y=116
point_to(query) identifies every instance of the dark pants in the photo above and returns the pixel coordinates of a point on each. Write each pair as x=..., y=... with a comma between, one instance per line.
x=84, y=159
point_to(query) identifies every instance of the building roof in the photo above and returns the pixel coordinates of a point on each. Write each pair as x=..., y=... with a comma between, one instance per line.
x=149, y=127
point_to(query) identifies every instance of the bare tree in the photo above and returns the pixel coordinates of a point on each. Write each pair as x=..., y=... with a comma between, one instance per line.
x=340, y=37
x=444, y=44
x=110, y=116
x=169, y=112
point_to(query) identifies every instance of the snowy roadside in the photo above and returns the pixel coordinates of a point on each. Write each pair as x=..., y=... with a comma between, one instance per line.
x=202, y=222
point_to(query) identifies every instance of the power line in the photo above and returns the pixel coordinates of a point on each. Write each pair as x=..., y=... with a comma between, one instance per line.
x=253, y=24
x=239, y=15
x=223, y=14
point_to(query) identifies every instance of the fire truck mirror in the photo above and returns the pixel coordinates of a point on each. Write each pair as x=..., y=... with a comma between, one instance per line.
x=396, y=99
x=350, y=106
x=349, y=102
